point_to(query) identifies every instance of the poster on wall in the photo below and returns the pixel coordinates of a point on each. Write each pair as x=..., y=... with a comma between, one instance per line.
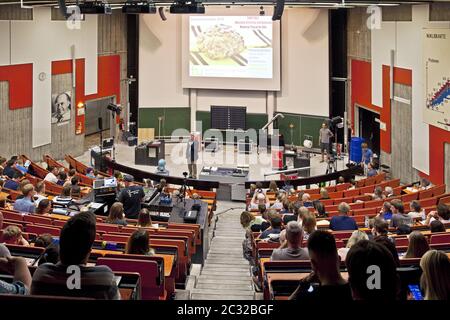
x=437, y=77
x=61, y=107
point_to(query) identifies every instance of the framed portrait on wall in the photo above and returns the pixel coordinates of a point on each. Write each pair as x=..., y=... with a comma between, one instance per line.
x=61, y=107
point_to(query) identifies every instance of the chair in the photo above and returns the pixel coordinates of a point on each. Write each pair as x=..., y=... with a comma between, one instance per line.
x=380, y=177
x=426, y=194
x=398, y=190
x=340, y=235
x=445, y=200
x=114, y=238
x=370, y=181
x=438, y=190
x=38, y=229
x=12, y=216
x=351, y=193
x=334, y=195
x=365, y=212
x=374, y=203
x=106, y=228
x=356, y=205
x=342, y=187
x=367, y=189
x=440, y=238
x=428, y=202
x=346, y=200
x=37, y=219
x=151, y=281
x=331, y=188
x=394, y=183
x=401, y=242
x=59, y=223
x=410, y=197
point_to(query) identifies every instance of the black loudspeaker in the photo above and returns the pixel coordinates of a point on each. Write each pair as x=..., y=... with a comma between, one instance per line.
x=278, y=10
x=100, y=123
x=161, y=13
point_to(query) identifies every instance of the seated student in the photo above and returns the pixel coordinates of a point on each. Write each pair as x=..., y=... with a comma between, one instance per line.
x=26, y=204
x=139, y=243
x=52, y=175
x=399, y=217
x=320, y=209
x=10, y=171
x=62, y=178
x=251, y=190
x=116, y=214
x=341, y=180
x=371, y=170
x=343, y=221
x=356, y=236
x=50, y=255
x=144, y=219
x=273, y=186
x=293, y=250
x=324, y=194
x=66, y=192
x=75, y=188
x=248, y=220
x=4, y=252
x=302, y=213
x=435, y=279
x=71, y=173
x=417, y=245
x=43, y=240
x=22, y=277
x=286, y=206
x=437, y=226
x=385, y=212
x=278, y=204
x=389, y=244
x=417, y=212
x=2, y=163
x=22, y=184
x=388, y=192
x=309, y=225
x=20, y=166
x=291, y=216
x=12, y=184
x=306, y=199
x=352, y=184
x=75, y=244
x=265, y=213
x=442, y=214
x=380, y=228
x=44, y=207
x=274, y=230
x=377, y=194
x=40, y=192
x=13, y=235
x=90, y=173
x=325, y=265
x=425, y=184
x=259, y=198
x=360, y=258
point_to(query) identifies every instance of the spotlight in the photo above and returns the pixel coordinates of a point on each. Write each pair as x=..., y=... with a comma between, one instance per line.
x=278, y=11
x=138, y=7
x=95, y=8
x=261, y=11
x=115, y=109
x=161, y=13
x=187, y=7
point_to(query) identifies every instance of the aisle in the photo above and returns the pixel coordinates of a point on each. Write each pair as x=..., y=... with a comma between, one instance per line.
x=226, y=274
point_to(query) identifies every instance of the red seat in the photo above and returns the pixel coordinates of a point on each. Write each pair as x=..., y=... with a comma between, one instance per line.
x=38, y=229
x=105, y=227
x=398, y=190
x=394, y=183
x=374, y=203
x=59, y=223
x=365, y=212
x=428, y=202
x=380, y=177
x=339, y=235
x=37, y=219
x=367, y=189
x=152, y=282
x=426, y=194
x=440, y=238
x=340, y=244
x=351, y=193
x=401, y=242
x=336, y=195
x=331, y=189
x=410, y=197
x=356, y=205
x=331, y=208
x=362, y=198
x=114, y=238
x=438, y=190
x=340, y=200
x=327, y=202
x=12, y=216
x=343, y=187
x=370, y=181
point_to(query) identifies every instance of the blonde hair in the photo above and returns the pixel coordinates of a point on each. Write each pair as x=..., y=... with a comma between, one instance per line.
x=302, y=212
x=273, y=186
x=309, y=223
x=11, y=234
x=246, y=219
x=435, y=279
x=324, y=193
x=356, y=236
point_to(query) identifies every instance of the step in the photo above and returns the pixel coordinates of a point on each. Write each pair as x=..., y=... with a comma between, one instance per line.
x=227, y=261
x=219, y=296
x=219, y=282
x=225, y=278
x=231, y=269
x=242, y=287
x=226, y=272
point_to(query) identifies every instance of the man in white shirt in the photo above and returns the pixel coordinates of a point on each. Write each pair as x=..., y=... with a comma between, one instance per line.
x=51, y=176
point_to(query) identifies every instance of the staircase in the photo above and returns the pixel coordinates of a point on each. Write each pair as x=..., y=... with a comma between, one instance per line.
x=225, y=274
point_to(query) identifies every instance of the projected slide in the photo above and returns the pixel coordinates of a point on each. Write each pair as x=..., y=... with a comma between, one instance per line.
x=231, y=46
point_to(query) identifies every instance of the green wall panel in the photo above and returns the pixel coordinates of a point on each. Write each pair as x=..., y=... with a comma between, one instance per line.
x=175, y=118
x=205, y=118
x=256, y=120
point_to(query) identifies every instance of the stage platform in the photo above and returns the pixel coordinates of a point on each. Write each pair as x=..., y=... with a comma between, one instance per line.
x=227, y=156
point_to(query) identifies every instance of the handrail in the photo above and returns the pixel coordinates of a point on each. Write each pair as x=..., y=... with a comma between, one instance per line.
x=139, y=175
x=347, y=173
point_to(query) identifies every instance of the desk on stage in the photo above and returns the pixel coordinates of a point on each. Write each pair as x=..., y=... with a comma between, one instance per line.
x=231, y=181
x=149, y=153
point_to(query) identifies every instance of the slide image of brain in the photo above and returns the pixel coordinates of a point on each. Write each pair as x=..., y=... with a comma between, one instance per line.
x=220, y=42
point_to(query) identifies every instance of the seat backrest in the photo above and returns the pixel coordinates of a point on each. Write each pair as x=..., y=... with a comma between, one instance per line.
x=351, y=193
x=401, y=242
x=365, y=212
x=37, y=219
x=370, y=181
x=334, y=195
x=440, y=238
x=106, y=227
x=428, y=202
x=438, y=190
x=339, y=235
x=148, y=270
x=38, y=229
x=410, y=197
x=12, y=215
x=343, y=186
x=114, y=238
x=426, y=194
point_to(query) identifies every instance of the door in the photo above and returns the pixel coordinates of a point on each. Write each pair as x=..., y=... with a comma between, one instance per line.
x=369, y=128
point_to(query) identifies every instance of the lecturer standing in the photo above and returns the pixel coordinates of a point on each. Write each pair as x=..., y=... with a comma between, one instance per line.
x=192, y=156
x=324, y=137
